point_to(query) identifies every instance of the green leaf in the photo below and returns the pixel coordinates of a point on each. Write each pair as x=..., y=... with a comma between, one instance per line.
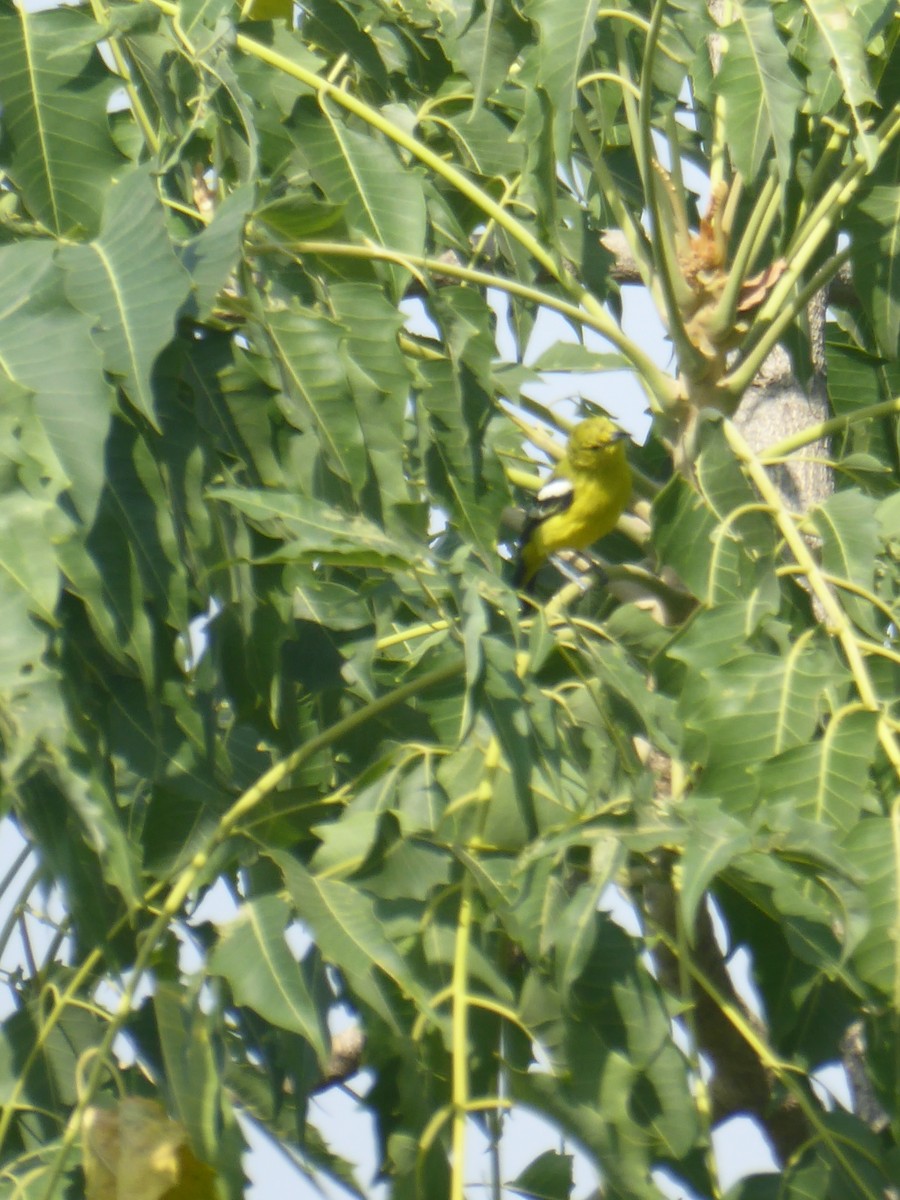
x=131, y=561
x=574, y=928
x=317, y=532
x=192, y=1070
x=382, y=199
x=132, y=286
x=329, y=604
x=548, y=1177
x=29, y=585
x=859, y=1167
x=89, y=799
x=613, y=1059
x=743, y=546
x=46, y=347
x=873, y=847
x=409, y=871
x=230, y=399
x=485, y=50
x=380, y=382
x=837, y=37
x=826, y=779
x=253, y=956
x=200, y=18
x=483, y=141
x=345, y=844
x=350, y=935
x=295, y=217
x=714, y=537
x=341, y=28
x=49, y=800
x=875, y=253
x=714, y=842
x=759, y=89
x=565, y=31
x=464, y=475
x=214, y=253
x=54, y=90
x=746, y=706
x=849, y=531
x=888, y=517
x=682, y=530
x=856, y=378
x=574, y=356
x=315, y=398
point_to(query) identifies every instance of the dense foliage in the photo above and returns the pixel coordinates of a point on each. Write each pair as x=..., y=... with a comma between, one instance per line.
x=212, y=236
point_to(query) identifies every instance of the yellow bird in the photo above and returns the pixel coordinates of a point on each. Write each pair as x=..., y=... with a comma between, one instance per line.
x=582, y=499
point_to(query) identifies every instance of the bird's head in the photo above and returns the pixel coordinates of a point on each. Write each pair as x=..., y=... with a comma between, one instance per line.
x=594, y=442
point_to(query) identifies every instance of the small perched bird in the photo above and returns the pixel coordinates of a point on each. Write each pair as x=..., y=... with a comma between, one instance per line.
x=582, y=499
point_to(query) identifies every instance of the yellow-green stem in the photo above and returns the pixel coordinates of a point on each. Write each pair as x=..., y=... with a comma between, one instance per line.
x=855, y=589
x=835, y=616
x=625, y=221
x=190, y=877
x=325, y=88
x=814, y=433
x=704, y=1104
x=737, y=382
x=667, y=257
x=762, y=218
x=631, y=18
x=609, y=77
x=592, y=314
x=630, y=105
x=717, y=149
x=101, y=16
x=646, y=156
x=824, y=169
x=460, y=982
x=6, y=882
x=779, y=308
x=50, y=1019
x=784, y=1071
x=408, y=635
x=827, y=208
x=460, y=1061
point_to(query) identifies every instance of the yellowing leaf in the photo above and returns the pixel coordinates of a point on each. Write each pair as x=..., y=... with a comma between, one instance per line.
x=267, y=10
x=136, y=1152
x=100, y=1153
x=196, y=1180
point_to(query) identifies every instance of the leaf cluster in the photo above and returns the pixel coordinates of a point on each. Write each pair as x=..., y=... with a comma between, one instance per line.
x=259, y=650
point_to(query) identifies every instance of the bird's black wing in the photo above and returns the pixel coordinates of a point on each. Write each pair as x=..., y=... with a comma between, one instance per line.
x=554, y=497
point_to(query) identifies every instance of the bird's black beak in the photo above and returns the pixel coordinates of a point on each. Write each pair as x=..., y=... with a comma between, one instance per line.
x=620, y=436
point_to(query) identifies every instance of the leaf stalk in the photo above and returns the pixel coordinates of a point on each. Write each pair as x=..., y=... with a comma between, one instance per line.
x=836, y=618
